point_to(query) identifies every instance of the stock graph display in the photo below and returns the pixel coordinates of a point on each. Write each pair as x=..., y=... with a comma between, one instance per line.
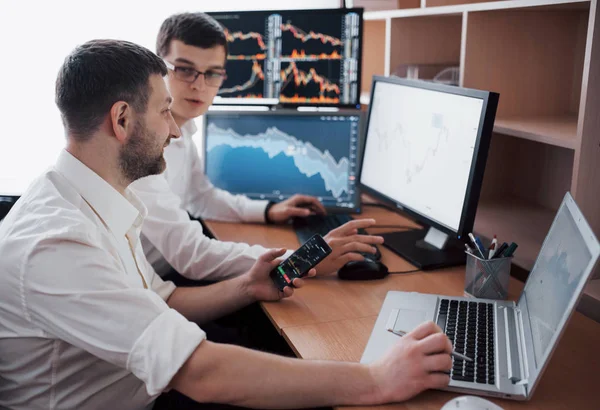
x=269, y=156
x=300, y=56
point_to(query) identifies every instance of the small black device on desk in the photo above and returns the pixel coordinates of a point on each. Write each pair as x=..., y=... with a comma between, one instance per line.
x=363, y=270
x=300, y=262
x=318, y=224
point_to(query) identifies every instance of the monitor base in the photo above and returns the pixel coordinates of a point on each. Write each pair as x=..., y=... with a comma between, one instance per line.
x=411, y=246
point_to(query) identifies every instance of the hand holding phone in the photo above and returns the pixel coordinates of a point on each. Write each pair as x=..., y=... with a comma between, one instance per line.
x=300, y=262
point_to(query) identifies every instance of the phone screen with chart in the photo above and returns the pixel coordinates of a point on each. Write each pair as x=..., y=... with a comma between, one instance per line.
x=300, y=262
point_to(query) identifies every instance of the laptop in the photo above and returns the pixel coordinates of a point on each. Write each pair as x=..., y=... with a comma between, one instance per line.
x=511, y=342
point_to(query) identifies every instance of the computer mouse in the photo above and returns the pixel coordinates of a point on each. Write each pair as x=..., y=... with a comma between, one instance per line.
x=470, y=403
x=363, y=270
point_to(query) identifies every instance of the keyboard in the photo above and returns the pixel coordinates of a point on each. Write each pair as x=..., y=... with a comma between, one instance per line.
x=470, y=328
x=316, y=224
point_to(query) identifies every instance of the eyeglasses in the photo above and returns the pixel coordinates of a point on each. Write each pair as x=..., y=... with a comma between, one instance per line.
x=212, y=78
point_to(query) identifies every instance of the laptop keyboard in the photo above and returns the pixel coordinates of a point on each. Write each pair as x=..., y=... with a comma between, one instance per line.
x=470, y=328
x=306, y=227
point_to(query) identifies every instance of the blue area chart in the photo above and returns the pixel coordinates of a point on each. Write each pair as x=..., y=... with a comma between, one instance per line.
x=275, y=164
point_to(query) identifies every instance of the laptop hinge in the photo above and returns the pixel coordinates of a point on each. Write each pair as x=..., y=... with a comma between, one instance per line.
x=513, y=345
x=522, y=348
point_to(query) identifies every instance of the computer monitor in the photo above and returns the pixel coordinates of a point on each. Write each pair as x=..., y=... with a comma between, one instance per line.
x=275, y=154
x=425, y=152
x=300, y=57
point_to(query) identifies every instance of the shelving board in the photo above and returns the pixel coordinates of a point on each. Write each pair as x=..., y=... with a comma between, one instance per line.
x=459, y=9
x=560, y=131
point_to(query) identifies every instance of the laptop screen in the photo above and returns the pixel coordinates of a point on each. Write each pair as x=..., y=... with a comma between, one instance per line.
x=273, y=156
x=562, y=268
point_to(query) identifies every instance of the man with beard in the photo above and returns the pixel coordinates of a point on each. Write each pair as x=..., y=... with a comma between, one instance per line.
x=86, y=323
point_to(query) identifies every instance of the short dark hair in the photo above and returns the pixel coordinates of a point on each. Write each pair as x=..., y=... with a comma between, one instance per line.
x=99, y=73
x=193, y=29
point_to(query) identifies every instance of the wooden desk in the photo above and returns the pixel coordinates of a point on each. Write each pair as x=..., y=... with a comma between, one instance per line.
x=332, y=319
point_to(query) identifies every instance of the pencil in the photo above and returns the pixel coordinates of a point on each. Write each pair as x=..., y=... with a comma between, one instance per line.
x=453, y=354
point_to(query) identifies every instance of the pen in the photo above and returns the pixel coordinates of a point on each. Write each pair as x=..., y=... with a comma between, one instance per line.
x=453, y=354
x=477, y=249
x=493, y=247
x=500, y=250
x=511, y=249
x=480, y=246
x=469, y=249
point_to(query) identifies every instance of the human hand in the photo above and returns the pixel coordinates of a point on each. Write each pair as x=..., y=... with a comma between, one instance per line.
x=420, y=360
x=260, y=287
x=344, y=242
x=295, y=206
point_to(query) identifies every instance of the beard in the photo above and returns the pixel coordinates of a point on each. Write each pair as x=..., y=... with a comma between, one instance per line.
x=138, y=157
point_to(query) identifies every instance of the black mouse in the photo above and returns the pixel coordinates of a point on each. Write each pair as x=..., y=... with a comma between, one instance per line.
x=363, y=270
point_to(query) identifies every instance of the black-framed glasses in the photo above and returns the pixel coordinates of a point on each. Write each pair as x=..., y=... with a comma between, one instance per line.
x=212, y=78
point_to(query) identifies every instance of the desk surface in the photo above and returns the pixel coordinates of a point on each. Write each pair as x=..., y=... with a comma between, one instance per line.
x=332, y=320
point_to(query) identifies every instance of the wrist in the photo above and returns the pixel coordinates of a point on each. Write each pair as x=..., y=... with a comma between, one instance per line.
x=376, y=393
x=246, y=289
x=268, y=218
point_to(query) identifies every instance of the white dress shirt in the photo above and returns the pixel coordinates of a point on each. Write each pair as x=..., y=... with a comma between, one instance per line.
x=78, y=328
x=170, y=238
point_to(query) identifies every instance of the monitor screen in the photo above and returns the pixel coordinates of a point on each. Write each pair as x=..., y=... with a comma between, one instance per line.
x=305, y=57
x=274, y=156
x=556, y=280
x=420, y=148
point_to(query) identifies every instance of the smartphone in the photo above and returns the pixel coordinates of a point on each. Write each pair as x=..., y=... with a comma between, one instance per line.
x=300, y=262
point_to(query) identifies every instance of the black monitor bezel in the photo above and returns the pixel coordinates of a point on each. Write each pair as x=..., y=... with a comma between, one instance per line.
x=358, y=10
x=482, y=143
x=293, y=112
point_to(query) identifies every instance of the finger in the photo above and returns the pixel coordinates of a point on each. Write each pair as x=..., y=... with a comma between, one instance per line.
x=437, y=363
x=437, y=380
x=315, y=204
x=355, y=224
x=349, y=257
x=311, y=273
x=436, y=343
x=357, y=247
x=287, y=292
x=369, y=239
x=295, y=212
x=423, y=330
x=271, y=254
x=303, y=199
x=298, y=283
x=276, y=262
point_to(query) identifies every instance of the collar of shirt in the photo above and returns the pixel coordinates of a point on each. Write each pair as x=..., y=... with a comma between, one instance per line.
x=188, y=129
x=119, y=213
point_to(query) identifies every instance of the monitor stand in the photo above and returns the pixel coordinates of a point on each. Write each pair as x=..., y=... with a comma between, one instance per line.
x=426, y=249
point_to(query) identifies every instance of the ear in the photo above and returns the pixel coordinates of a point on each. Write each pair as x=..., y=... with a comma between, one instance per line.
x=121, y=118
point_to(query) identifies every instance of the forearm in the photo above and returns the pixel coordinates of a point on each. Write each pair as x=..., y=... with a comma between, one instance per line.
x=215, y=204
x=242, y=377
x=204, y=303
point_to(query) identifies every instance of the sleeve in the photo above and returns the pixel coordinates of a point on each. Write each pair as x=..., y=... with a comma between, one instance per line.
x=75, y=291
x=208, y=202
x=182, y=242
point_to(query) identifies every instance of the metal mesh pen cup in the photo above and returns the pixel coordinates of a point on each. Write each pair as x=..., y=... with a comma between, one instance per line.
x=487, y=278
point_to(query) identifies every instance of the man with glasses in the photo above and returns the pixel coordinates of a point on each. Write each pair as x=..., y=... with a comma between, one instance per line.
x=194, y=47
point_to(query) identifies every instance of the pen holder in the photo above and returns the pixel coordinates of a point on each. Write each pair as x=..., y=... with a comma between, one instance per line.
x=487, y=278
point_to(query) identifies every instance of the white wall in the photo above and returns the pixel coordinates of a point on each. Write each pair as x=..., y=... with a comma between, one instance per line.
x=35, y=37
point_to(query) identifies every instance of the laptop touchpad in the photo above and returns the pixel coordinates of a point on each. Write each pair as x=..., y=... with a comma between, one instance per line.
x=408, y=319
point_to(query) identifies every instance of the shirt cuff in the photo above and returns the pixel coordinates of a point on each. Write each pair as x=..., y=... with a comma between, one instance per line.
x=161, y=350
x=255, y=211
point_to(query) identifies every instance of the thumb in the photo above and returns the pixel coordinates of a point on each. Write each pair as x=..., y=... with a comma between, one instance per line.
x=271, y=255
